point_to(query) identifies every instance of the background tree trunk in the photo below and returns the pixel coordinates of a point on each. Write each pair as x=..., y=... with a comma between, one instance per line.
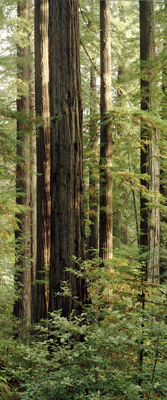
x=93, y=168
x=67, y=230
x=163, y=174
x=43, y=156
x=33, y=197
x=150, y=217
x=22, y=305
x=106, y=224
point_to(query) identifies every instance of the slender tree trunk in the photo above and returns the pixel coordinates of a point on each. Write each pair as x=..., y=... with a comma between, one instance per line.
x=67, y=230
x=43, y=156
x=33, y=168
x=150, y=217
x=106, y=224
x=93, y=169
x=153, y=271
x=33, y=197
x=163, y=175
x=22, y=306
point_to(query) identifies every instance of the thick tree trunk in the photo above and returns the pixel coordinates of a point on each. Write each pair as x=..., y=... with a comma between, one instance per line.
x=43, y=156
x=106, y=224
x=22, y=306
x=93, y=169
x=67, y=230
x=150, y=217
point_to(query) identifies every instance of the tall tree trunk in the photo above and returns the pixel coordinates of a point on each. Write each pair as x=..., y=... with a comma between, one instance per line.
x=93, y=169
x=163, y=174
x=150, y=217
x=106, y=224
x=22, y=306
x=67, y=230
x=33, y=164
x=33, y=197
x=43, y=155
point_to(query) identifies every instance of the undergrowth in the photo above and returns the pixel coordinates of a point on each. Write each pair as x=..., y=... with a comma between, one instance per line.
x=116, y=349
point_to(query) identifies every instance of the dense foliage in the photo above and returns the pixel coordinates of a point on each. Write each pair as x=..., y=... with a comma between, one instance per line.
x=97, y=355
x=116, y=349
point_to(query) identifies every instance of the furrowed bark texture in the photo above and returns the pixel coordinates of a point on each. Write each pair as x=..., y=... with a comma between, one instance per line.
x=33, y=182
x=43, y=156
x=67, y=231
x=163, y=172
x=93, y=169
x=150, y=217
x=106, y=223
x=22, y=305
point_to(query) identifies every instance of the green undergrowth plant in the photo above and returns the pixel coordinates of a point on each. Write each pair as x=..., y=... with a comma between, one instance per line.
x=116, y=349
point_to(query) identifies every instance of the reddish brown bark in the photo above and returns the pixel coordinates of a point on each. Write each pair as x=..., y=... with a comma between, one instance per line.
x=93, y=169
x=150, y=217
x=43, y=157
x=67, y=231
x=22, y=305
x=106, y=222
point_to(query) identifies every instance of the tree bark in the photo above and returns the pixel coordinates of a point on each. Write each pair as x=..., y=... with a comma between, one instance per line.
x=22, y=305
x=43, y=157
x=163, y=175
x=67, y=230
x=33, y=165
x=150, y=216
x=93, y=169
x=106, y=223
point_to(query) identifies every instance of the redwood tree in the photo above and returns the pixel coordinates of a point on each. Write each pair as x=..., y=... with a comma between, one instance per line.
x=106, y=224
x=43, y=156
x=22, y=306
x=67, y=230
x=150, y=216
x=163, y=175
x=93, y=168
